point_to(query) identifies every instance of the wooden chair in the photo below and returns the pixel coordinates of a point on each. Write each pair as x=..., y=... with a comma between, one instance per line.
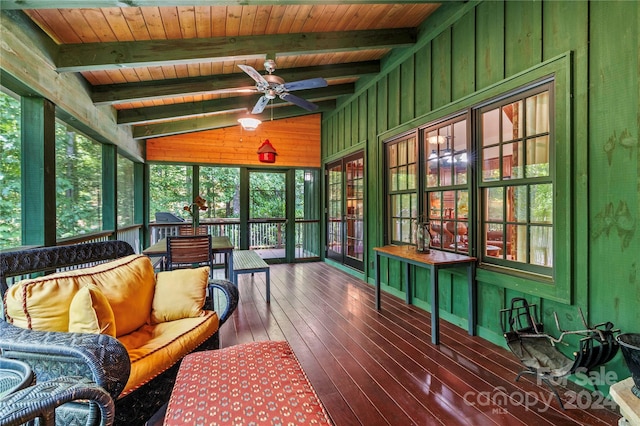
x=190, y=230
x=189, y=251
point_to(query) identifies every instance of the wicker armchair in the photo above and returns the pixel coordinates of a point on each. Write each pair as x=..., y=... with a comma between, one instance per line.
x=99, y=358
x=14, y=375
x=41, y=400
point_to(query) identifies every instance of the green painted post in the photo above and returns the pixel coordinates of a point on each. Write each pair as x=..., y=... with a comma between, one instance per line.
x=38, y=172
x=290, y=214
x=195, y=192
x=109, y=189
x=244, y=208
x=140, y=201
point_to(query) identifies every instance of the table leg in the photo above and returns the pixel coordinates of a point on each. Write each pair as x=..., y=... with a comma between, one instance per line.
x=268, y=285
x=473, y=297
x=407, y=280
x=377, y=260
x=435, y=307
x=230, y=271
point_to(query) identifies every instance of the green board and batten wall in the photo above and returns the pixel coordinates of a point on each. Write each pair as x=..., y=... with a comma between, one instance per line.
x=467, y=54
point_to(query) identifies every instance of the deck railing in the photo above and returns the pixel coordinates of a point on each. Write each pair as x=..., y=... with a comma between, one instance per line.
x=231, y=229
x=267, y=234
x=263, y=234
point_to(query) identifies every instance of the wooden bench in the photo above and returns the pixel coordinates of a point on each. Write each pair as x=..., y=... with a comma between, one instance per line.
x=248, y=261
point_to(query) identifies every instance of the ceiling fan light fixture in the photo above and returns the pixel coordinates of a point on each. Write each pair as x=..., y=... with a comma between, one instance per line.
x=249, y=123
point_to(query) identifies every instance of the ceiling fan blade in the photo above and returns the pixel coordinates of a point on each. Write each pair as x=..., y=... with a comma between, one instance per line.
x=302, y=103
x=260, y=105
x=261, y=82
x=244, y=89
x=311, y=83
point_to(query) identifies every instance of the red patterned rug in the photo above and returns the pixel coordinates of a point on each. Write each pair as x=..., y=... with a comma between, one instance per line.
x=254, y=383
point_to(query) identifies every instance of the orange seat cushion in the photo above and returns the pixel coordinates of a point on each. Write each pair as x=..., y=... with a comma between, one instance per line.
x=154, y=348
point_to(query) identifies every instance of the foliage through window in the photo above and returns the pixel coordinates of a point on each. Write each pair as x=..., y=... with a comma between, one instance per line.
x=516, y=181
x=78, y=183
x=169, y=189
x=221, y=187
x=267, y=195
x=126, y=194
x=10, y=171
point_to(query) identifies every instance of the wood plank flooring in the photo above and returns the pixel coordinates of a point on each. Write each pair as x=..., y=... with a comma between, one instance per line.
x=379, y=368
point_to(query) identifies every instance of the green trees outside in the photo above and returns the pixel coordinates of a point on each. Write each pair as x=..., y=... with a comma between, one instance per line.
x=170, y=189
x=267, y=195
x=126, y=194
x=220, y=186
x=78, y=183
x=10, y=205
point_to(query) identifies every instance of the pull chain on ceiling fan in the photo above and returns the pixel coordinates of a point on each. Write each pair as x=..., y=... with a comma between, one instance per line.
x=272, y=86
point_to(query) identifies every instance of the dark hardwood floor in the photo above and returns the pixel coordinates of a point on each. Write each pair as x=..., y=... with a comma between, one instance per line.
x=376, y=368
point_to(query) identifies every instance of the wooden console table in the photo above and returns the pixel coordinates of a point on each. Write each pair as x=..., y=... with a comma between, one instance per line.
x=434, y=261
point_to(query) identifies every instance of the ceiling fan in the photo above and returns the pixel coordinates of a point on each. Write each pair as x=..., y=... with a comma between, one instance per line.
x=271, y=85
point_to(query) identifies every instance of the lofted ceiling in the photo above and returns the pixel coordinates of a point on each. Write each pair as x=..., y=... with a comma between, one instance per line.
x=170, y=68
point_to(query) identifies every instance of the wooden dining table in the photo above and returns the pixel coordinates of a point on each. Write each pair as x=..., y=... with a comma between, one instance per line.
x=220, y=244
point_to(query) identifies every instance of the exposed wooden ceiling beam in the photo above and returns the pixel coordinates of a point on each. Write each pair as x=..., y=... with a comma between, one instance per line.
x=71, y=4
x=236, y=103
x=156, y=89
x=80, y=57
x=221, y=120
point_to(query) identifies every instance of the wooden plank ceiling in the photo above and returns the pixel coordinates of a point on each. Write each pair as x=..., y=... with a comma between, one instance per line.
x=168, y=68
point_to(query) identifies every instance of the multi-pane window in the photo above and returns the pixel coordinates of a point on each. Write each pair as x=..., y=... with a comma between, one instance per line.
x=487, y=182
x=355, y=208
x=402, y=190
x=334, y=208
x=446, y=185
x=516, y=183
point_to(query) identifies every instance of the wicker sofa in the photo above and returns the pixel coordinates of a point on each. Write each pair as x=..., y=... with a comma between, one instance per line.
x=100, y=357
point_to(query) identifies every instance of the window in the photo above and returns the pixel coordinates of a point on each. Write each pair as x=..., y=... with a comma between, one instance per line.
x=126, y=195
x=10, y=172
x=345, y=200
x=446, y=180
x=334, y=211
x=402, y=190
x=486, y=192
x=78, y=183
x=516, y=183
x=220, y=186
x=169, y=189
